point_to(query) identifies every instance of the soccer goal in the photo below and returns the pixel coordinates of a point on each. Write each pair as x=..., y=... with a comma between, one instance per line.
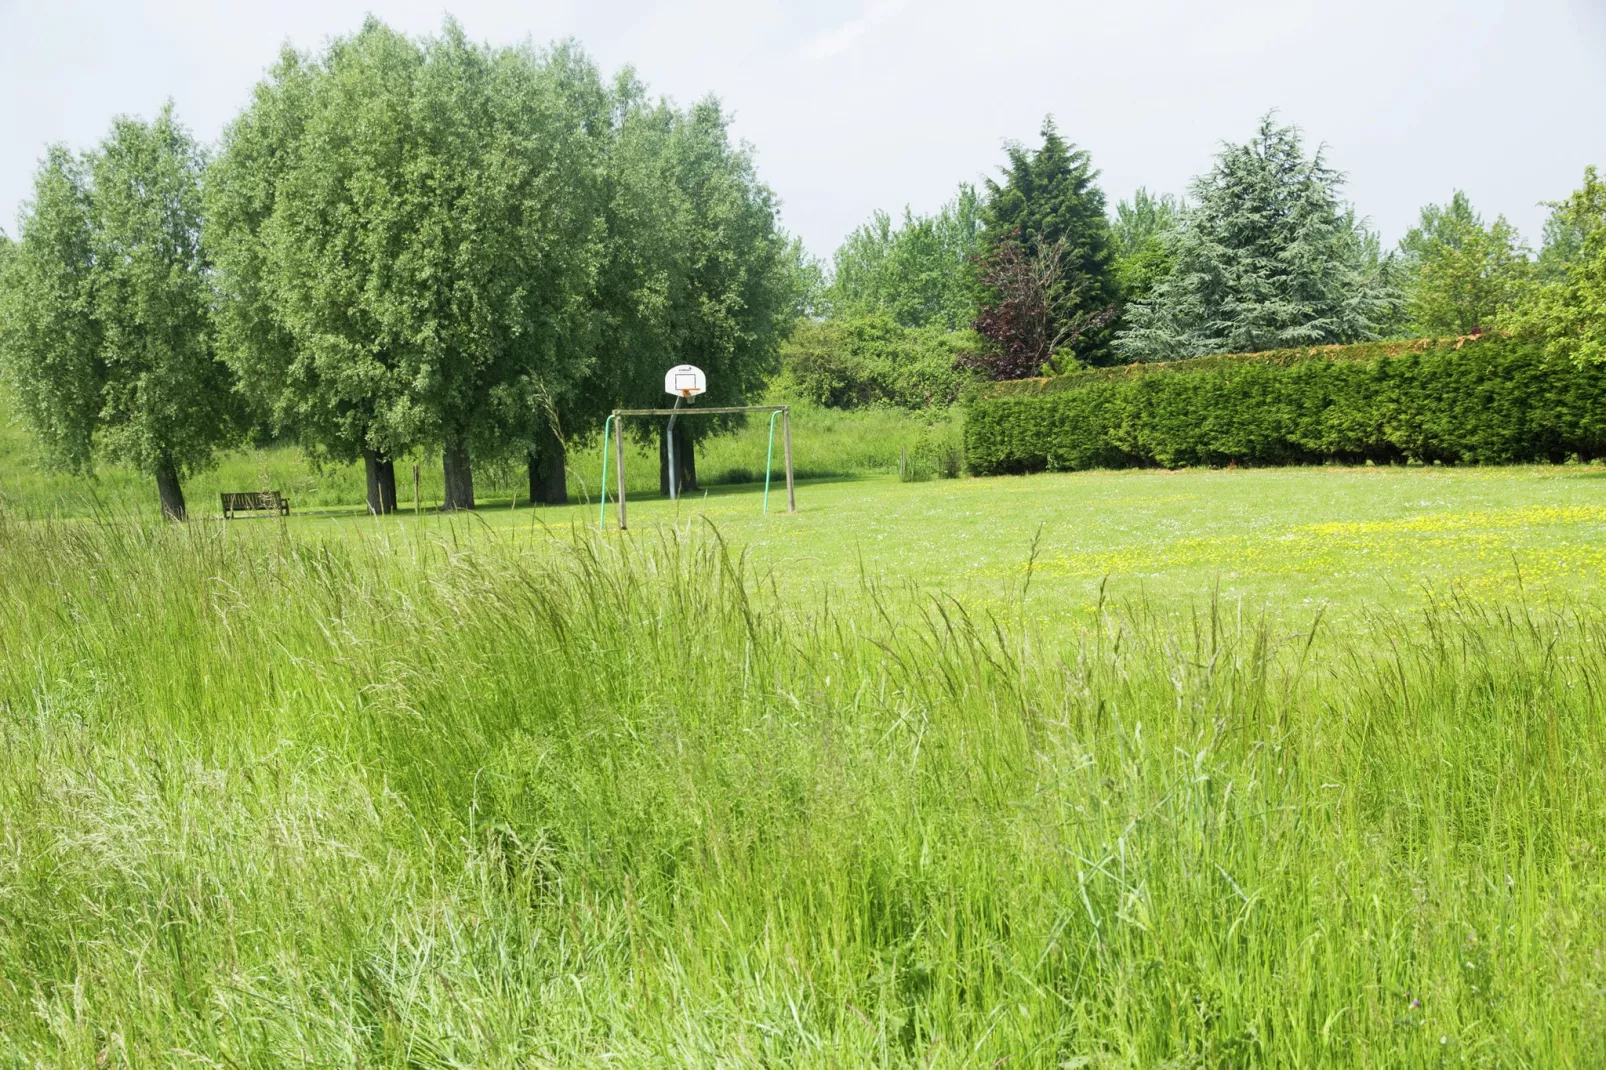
x=685, y=382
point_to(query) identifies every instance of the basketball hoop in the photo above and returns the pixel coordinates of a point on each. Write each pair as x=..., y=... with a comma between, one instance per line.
x=685, y=381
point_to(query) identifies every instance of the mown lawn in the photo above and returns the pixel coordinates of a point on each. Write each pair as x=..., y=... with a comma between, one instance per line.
x=1287, y=540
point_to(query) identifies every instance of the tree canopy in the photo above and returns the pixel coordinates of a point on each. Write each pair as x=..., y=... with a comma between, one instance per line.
x=1050, y=208
x=1266, y=257
x=1141, y=231
x=106, y=309
x=918, y=273
x=1568, y=313
x=1460, y=274
x=433, y=243
x=409, y=232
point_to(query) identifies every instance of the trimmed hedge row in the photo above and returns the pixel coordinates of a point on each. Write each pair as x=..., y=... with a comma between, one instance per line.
x=1487, y=400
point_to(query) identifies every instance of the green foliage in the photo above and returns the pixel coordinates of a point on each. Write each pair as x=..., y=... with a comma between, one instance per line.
x=733, y=277
x=1567, y=314
x=920, y=273
x=1049, y=204
x=1569, y=226
x=693, y=269
x=1266, y=257
x=1461, y=276
x=106, y=308
x=408, y=234
x=1486, y=401
x=872, y=360
x=1141, y=231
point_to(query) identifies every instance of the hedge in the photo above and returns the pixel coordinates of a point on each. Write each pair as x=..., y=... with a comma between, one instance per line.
x=1487, y=400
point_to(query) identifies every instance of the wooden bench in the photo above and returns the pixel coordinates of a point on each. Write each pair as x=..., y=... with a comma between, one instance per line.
x=246, y=501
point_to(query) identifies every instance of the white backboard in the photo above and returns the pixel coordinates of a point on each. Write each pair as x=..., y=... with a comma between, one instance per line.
x=685, y=381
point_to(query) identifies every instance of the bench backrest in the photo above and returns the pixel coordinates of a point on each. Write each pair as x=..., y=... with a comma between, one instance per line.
x=250, y=499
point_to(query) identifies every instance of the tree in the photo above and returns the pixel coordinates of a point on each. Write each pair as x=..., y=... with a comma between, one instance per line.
x=919, y=273
x=1033, y=314
x=1266, y=257
x=734, y=291
x=105, y=311
x=1141, y=232
x=1570, y=223
x=873, y=360
x=1460, y=274
x=1050, y=208
x=1567, y=315
x=408, y=232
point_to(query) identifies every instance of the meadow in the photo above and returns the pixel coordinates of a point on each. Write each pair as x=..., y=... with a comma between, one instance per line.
x=1295, y=767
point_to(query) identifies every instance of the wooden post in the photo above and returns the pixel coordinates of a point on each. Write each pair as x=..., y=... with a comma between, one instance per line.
x=415, y=490
x=786, y=439
x=619, y=457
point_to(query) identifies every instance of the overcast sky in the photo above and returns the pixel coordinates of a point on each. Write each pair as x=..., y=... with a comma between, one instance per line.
x=854, y=105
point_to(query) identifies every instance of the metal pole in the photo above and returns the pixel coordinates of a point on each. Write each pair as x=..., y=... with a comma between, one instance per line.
x=786, y=438
x=769, y=458
x=602, y=506
x=671, y=435
x=619, y=463
x=415, y=490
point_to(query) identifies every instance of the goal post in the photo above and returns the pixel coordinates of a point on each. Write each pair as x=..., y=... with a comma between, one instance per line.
x=614, y=426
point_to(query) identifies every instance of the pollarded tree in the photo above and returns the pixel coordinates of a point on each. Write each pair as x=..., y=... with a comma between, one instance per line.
x=692, y=269
x=1567, y=315
x=1050, y=206
x=733, y=291
x=1266, y=257
x=106, y=310
x=1461, y=275
x=409, y=231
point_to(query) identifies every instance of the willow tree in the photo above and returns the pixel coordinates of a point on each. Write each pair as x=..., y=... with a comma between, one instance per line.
x=735, y=292
x=106, y=310
x=409, y=231
x=694, y=269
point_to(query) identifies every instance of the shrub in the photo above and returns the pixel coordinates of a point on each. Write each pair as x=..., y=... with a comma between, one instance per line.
x=1487, y=400
x=937, y=454
x=872, y=360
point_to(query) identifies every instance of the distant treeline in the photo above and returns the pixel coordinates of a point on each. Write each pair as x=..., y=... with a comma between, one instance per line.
x=1031, y=276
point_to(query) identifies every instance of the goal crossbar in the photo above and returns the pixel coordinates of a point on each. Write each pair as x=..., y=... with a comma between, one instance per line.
x=612, y=424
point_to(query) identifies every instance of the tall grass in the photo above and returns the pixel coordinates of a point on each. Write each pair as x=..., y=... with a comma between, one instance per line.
x=479, y=801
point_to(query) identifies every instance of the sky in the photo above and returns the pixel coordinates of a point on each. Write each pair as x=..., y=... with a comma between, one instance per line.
x=858, y=105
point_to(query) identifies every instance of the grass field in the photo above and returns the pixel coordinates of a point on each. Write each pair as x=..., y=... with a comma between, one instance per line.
x=830, y=444
x=1200, y=769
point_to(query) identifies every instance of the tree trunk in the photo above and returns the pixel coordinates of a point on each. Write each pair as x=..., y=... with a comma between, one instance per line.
x=663, y=462
x=171, y=493
x=381, y=472
x=549, y=476
x=685, y=461
x=459, y=476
